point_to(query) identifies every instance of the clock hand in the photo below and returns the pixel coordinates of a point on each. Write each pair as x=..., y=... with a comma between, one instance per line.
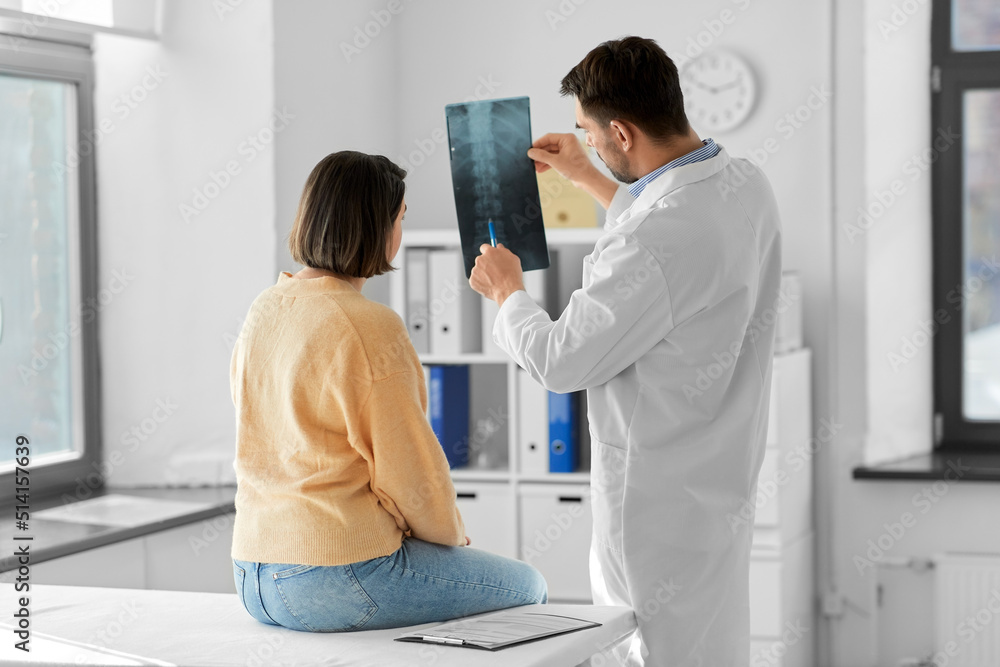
x=703, y=86
x=731, y=84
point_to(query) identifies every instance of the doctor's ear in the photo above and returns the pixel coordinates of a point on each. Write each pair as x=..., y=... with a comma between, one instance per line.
x=622, y=133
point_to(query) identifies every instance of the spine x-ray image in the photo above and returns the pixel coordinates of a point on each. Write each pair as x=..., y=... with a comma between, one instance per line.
x=494, y=179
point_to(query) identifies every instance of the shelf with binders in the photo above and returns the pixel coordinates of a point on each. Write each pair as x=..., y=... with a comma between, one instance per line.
x=551, y=439
x=467, y=408
x=579, y=241
x=451, y=326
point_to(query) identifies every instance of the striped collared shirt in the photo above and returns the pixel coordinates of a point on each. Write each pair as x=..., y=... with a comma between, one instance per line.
x=710, y=149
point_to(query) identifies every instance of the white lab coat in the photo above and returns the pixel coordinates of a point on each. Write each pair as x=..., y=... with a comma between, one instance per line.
x=671, y=335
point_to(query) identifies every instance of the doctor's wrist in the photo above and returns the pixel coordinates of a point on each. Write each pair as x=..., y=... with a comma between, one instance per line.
x=503, y=294
x=598, y=186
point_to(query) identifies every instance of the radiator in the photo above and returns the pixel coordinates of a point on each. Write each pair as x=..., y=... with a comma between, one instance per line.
x=967, y=610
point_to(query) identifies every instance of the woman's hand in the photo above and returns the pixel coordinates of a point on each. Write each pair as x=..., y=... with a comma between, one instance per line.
x=467, y=541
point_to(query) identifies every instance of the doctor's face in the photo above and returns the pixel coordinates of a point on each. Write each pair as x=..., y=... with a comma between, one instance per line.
x=604, y=142
x=614, y=157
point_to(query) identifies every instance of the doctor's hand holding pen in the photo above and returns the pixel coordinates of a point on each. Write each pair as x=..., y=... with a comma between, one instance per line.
x=497, y=273
x=564, y=153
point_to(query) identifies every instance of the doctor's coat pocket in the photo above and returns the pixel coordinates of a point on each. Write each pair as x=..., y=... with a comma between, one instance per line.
x=325, y=598
x=607, y=487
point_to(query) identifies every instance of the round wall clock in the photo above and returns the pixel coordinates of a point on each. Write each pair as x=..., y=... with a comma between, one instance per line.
x=719, y=91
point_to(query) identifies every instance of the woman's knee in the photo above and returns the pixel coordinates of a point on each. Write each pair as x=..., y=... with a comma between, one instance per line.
x=534, y=583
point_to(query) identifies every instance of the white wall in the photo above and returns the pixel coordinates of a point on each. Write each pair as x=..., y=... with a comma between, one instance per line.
x=341, y=101
x=354, y=83
x=891, y=304
x=898, y=240
x=166, y=336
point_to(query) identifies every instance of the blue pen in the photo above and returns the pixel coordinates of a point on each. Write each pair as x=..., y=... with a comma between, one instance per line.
x=493, y=235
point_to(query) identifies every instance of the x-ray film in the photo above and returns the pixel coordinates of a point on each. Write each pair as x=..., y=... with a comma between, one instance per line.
x=494, y=179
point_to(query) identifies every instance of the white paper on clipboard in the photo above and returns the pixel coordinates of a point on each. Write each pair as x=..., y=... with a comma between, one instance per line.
x=500, y=629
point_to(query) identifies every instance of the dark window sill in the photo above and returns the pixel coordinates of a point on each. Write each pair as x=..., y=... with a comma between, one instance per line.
x=952, y=465
x=55, y=539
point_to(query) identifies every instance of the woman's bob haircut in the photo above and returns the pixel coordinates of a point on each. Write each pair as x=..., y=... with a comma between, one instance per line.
x=346, y=214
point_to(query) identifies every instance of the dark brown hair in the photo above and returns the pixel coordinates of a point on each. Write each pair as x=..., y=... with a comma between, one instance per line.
x=346, y=214
x=630, y=79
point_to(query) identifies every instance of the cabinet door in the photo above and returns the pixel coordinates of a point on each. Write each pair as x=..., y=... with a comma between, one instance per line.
x=768, y=652
x=781, y=596
x=556, y=525
x=487, y=510
x=119, y=565
x=783, y=501
x=768, y=491
x=784, y=498
x=192, y=557
x=772, y=405
x=765, y=595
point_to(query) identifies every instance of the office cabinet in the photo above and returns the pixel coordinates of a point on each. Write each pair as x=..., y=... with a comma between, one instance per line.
x=556, y=525
x=782, y=618
x=119, y=565
x=782, y=590
x=191, y=557
x=487, y=510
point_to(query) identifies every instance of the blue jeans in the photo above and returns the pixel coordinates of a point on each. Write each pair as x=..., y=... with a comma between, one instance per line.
x=421, y=582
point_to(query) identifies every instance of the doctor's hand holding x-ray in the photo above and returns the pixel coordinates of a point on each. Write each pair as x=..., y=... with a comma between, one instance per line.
x=671, y=334
x=495, y=276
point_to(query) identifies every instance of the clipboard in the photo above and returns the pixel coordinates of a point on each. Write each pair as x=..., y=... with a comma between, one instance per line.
x=498, y=630
x=493, y=179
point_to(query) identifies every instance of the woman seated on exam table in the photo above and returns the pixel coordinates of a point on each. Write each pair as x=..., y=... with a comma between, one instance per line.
x=345, y=509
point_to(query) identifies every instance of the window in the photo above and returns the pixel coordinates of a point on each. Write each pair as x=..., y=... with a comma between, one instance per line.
x=48, y=338
x=966, y=222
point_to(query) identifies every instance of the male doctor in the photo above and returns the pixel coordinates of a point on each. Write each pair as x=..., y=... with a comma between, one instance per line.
x=671, y=335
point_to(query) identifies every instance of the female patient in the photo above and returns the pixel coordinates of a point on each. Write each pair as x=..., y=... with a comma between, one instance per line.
x=345, y=510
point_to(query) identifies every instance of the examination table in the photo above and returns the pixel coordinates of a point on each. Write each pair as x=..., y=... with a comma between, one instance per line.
x=80, y=625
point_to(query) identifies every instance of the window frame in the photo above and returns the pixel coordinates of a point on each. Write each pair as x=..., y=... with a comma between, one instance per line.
x=952, y=74
x=69, y=59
